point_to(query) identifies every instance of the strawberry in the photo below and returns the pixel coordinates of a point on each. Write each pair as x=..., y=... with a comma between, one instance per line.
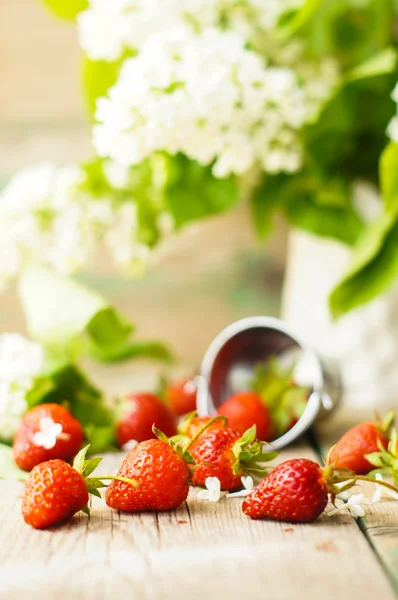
x=227, y=455
x=162, y=470
x=365, y=438
x=295, y=491
x=55, y=491
x=192, y=424
x=47, y=431
x=181, y=396
x=162, y=474
x=244, y=410
x=138, y=413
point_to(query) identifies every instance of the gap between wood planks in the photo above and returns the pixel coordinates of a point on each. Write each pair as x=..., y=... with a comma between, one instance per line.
x=380, y=524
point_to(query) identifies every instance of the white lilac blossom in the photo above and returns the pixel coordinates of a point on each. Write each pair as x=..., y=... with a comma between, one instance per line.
x=48, y=435
x=248, y=486
x=47, y=218
x=108, y=29
x=381, y=490
x=392, y=130
x=354, y=506
x=208, y=97
x=212, y=491
x=21, y=360
x=43, y=221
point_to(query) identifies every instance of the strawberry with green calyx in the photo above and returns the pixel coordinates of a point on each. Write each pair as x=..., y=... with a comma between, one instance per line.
x=297, y=491
x=162, y=467
x=55, y=491
x=283, y=397
x=365, y=438
x=227, y=455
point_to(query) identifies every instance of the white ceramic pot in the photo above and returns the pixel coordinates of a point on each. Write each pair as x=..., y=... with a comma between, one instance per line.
x=364, y=343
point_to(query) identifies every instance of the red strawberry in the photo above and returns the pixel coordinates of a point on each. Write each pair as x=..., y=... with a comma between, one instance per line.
x=162, y=474
x=350, y=450
x=193, y=424
x=244, y=410
x=46, y=432
x=138, y=413
x=226, y=454
x=55, y=491
x=295, y=491
x=181, y=396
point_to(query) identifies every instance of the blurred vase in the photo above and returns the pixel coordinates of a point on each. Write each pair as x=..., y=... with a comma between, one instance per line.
x=363, y=343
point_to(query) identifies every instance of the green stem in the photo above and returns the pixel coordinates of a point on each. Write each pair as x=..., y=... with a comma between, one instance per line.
x=203, y=429
x=370, y=480
x=132, y=482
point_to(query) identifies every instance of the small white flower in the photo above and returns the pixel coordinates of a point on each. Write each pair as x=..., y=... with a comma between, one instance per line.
x=354, y=505
x=129, y=445
x=212, y=491
x=248, y=484
x=48, y=435
x=382, y=491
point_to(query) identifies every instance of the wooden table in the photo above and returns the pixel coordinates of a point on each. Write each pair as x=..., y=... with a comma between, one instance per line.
x=202, y=550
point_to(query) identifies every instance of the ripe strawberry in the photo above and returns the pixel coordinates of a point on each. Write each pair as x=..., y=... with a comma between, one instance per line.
x=54, y=492
x=244, y=410
x=138, y=413
x=296, y=491
x=181, y=396
x=46, y=432
x=162, y=474
x=226, y=454
x=350, y=450
x=192, y=424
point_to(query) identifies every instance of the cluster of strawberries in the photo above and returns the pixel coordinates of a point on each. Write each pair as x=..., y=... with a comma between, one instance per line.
x=158, y=470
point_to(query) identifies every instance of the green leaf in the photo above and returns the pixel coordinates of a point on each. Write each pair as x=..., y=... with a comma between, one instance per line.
x=66, y=9
x=102, y=438
x=98, y=77
x=108, y=328
x=129, y=350
x=388, y=169
x=381, y=63
x=340, y=223
x=192, y=192
x=8, y=468
x=373, y=269
x=375, y=459
x=66, y=317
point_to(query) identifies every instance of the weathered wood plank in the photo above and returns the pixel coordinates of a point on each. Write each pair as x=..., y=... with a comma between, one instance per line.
x=380, y=524
x=202, y=550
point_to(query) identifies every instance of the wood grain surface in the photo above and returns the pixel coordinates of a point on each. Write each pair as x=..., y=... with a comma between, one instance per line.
x=201, y=550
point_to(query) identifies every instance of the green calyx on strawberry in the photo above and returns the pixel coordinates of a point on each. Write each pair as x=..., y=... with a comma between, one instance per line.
x=85, y=467
x=284, y=398
x=181, y=444
x=386, y=459
x=249, y=456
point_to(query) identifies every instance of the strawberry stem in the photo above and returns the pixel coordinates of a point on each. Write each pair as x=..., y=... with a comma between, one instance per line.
x=369, y=479
x=203, y=429
x=132, y=482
